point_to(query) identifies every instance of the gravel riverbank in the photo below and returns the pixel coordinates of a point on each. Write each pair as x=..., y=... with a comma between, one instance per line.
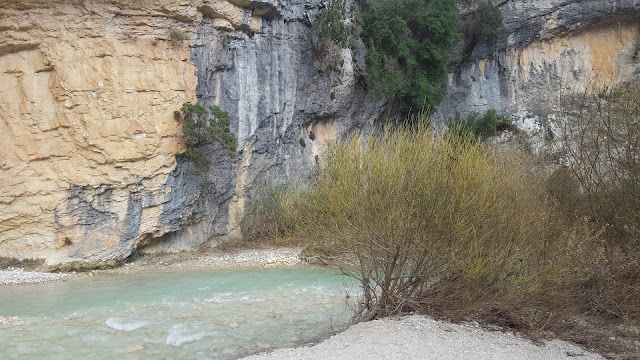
x=265, y=257
x=421, y=338
x=20, y=276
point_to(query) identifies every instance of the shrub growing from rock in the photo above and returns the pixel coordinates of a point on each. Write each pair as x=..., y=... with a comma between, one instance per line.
x=330, y=24
x=201, y=126
x=483, y=126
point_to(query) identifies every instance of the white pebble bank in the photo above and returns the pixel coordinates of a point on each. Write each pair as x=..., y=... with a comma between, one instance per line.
x=19, y=276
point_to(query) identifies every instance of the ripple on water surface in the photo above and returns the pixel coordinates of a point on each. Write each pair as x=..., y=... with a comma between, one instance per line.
x=185, y=314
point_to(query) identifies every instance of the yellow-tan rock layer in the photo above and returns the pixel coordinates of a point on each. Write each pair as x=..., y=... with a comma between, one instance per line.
x=529, y=80
x=87, y=94
x=88, y=138
x=602, y=53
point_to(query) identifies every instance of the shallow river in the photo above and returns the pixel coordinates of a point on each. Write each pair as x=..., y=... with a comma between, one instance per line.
x=172, y=314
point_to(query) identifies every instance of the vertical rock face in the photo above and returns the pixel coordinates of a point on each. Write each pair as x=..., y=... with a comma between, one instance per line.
x=87, y=92
x=284, y=111
x=89, y=166
x=545, y=48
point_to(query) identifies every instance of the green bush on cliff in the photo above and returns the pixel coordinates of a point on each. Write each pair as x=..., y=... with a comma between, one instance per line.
x=330, y=24
x=408, y=42
x=489, y=20
x=483, y=126
x=202, y=126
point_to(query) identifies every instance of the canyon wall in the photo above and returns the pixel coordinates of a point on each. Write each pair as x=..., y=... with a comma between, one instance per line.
x=90, y=162
x=545, y=49
x=285, y=105
x=87, y=92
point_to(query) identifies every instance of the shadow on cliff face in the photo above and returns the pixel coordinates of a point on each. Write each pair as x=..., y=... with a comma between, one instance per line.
x=28, y=264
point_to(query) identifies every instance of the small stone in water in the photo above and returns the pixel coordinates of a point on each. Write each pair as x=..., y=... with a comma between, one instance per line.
x=135, y=348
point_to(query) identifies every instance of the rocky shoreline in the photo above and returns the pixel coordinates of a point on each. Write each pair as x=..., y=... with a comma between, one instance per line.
x=20, y=276
x=418, y=337
x=262, y=257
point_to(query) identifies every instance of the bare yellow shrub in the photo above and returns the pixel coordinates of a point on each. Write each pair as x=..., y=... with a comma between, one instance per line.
x=601, y=138
x=427, y=222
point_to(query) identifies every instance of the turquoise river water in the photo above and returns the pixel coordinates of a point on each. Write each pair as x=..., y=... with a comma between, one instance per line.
x=173, y=314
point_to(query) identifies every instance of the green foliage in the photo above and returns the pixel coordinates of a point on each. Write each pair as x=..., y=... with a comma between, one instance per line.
x=408, y=42
x=196, y=156
x=203, y=127
x=196, y=124
x=221, y=116
x=177, y=35
x=483, y=126
x=330, y=24
x=488, y=21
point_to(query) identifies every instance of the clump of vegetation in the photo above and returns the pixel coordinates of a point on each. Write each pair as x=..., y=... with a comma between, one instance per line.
x=177, y=35
x=487, y=23
x=202, y=126
x=196, y=156
x=601, y=137
x=483, y=126
x=265, y=216
x=330, y=34
x=448, y=226
x=408, y=42
x=426, y=222
x=330, y=24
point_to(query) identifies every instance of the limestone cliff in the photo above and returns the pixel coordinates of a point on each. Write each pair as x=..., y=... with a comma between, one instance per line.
x=90, y=162
x=88, y=139
x=90, y=169
x=285, y=108
x=545, y=48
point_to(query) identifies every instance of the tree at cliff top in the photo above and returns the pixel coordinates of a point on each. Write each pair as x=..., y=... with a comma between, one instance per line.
x=408, y=42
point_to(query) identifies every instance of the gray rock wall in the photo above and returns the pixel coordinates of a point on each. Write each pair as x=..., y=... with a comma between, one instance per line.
x=546, y=48
x=284, y=110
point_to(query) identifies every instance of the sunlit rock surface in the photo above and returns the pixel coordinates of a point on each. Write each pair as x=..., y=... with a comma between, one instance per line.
x=89, y=163
x=89, y=166
x=86, y=126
